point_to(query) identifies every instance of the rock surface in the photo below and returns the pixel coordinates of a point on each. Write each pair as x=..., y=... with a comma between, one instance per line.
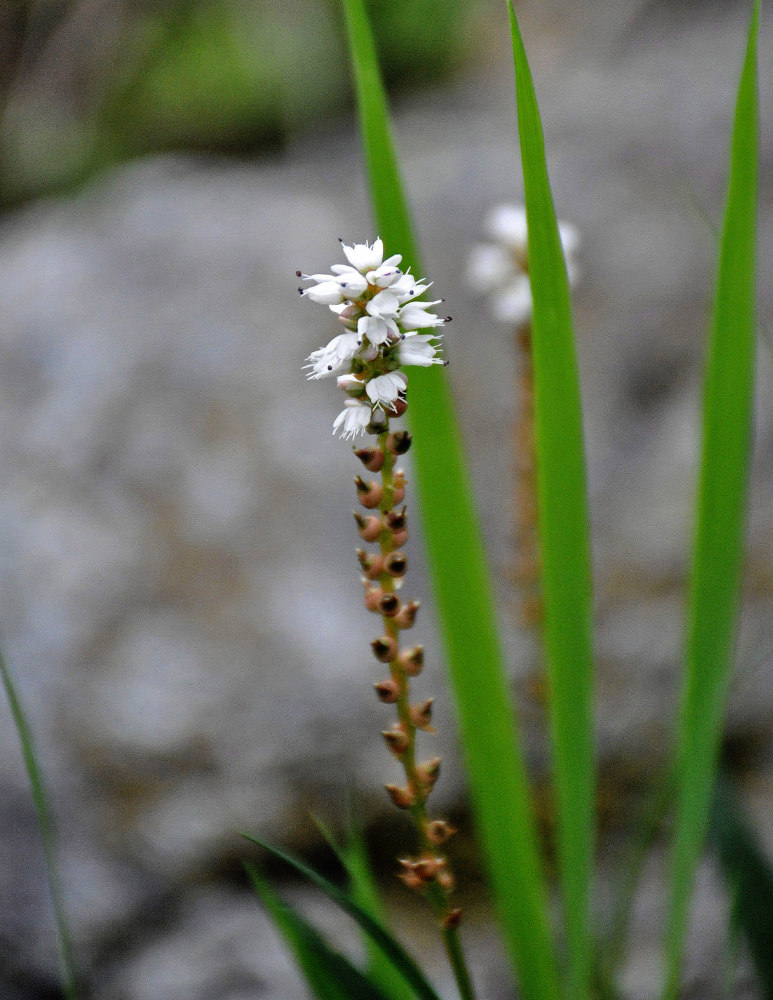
x=178, y=586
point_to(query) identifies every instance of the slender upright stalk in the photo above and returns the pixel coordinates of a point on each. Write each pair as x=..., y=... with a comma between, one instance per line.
x=429, y=872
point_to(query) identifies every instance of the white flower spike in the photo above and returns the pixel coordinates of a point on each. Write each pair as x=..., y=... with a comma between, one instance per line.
x=500, y=269
x=380, y=307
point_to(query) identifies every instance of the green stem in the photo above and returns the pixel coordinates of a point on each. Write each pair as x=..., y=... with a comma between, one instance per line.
x=455, y=954
x=66, y=962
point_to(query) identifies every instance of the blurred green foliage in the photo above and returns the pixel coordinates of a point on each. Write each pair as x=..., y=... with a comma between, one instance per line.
x=224, y=76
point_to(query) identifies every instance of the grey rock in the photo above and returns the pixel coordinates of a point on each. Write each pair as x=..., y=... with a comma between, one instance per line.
x=178, y=586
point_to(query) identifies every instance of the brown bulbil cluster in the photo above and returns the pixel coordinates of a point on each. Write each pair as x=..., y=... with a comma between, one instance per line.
x=383, y=570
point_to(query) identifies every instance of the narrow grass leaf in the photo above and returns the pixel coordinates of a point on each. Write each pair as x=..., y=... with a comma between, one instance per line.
x=461, y=583
x=749, y=875
x=330, y=975
x=563, y=531
x=66, y=961
x=721, y=514
x=353, y=855
x=391, y=948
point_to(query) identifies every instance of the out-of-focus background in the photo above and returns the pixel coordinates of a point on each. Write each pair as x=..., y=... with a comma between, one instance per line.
x=179, y=599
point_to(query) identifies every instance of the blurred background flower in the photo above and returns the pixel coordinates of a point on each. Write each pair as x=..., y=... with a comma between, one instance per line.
x=499, y=269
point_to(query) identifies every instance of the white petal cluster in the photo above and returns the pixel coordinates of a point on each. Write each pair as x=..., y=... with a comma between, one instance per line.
x=378, y=305
x=499, y=269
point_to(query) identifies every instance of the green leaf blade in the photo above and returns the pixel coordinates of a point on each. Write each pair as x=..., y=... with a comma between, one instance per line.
x=722, y=501
x=390, y=206
x=353, y=855
x=330, y=975
x=390, y=947
x=67, y=968
x=563, y=531
x=461, y=584
x=750, y=877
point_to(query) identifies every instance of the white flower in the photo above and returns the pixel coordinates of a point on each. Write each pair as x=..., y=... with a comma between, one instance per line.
x=418, y=349
x=329, y=360
x=379, y=307
x=327, y=293
x=506, y=224
x=383, y=304
x=511, y=303
x=415, y=316
x=351, y=281
x=377, y=329
x=387, y=274
x=500, y=269
x=364, y=257
x=353, y=419
x=385, y=389
x=488, y=265
x=407, y=287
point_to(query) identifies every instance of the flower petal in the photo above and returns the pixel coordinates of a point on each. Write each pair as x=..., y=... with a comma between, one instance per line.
x=364, y=257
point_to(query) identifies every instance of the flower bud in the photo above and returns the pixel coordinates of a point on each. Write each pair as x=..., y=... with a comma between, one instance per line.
x=389, y=605
x=369, y=494
x=412, y=660
x=397, y=520
x=399, y=406
x=351, y=384
x=407, y=614
x=396, y=564
x=439, y=831
x=421, y=715
x=379, y=418
x=409, y=874
x=388, y=691
x=399, y=442
x=384, y=648
x=396, y=739
x=399, y=538
x=369, y=527
x=403, y=798
x=371, y=458
x=428, y=868
x=371, y=564
x=349, y=317
x=429, y=772
x=453, y=918
x=446, y=881
x=373, y=596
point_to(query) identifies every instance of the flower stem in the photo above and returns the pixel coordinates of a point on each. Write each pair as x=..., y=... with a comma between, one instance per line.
x=455, y=954
x=429, y=874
